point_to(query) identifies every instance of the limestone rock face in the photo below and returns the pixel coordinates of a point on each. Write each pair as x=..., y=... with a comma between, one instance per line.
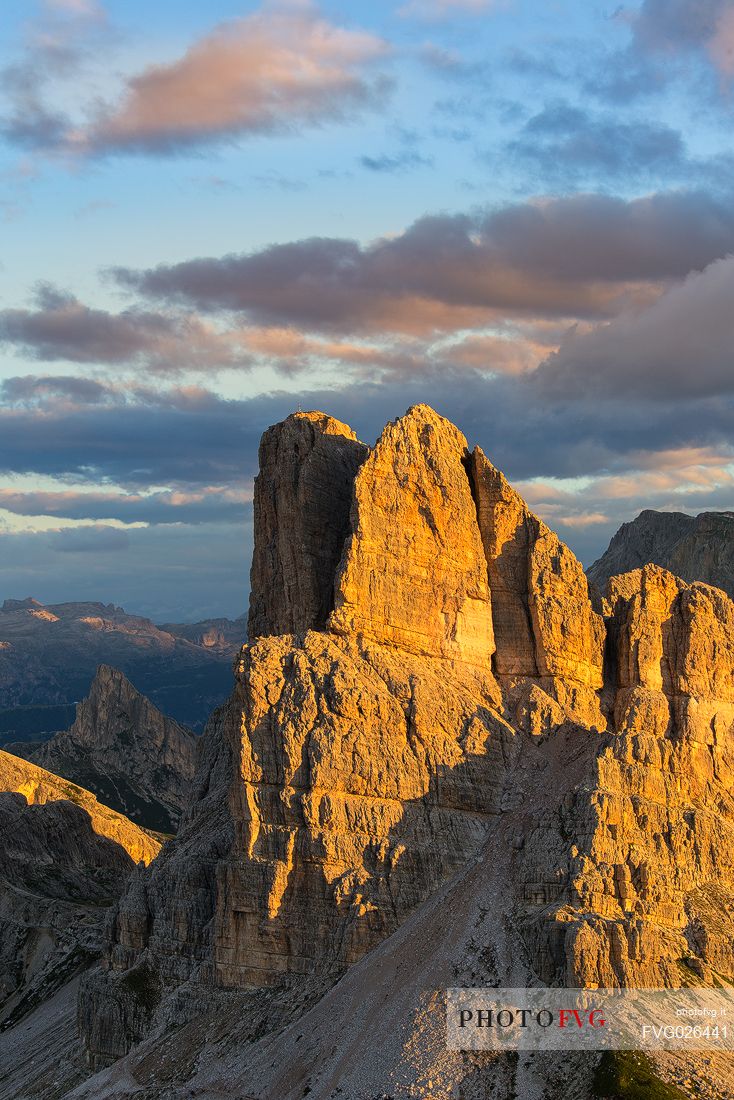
x=650, y=880
x=672, y=637
x=544, y=624
x=380, y=784
x=134, y=758
x=413, y=573
x=467, y=775
x=380, y=780
x=695, y=548
x=301, y=517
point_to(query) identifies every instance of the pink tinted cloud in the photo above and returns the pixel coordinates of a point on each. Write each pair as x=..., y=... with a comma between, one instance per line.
x=721, y=45
x=584, y=256
x=269, y=71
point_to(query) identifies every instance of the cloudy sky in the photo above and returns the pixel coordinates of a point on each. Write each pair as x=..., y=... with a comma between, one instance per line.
x=519, y=211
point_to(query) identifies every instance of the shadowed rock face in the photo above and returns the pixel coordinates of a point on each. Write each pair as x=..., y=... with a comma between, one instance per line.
x=64, y=858
x=464, y=711
x=123, y=749
x=545, y=628
x=301, y=513
x=695, y=548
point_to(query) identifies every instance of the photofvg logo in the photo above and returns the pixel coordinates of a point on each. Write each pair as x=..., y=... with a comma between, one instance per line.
x=590, y=1019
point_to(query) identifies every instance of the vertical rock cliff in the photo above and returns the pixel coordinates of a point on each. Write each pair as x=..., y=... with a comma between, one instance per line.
x=301, y=513
x=430, y=698
x=413, y=573
x=545, y=627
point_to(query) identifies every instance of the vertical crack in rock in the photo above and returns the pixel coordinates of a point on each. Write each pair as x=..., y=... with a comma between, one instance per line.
x=545, y=627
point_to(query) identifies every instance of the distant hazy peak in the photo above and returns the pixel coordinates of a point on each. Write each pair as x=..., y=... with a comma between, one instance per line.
x=695, y=548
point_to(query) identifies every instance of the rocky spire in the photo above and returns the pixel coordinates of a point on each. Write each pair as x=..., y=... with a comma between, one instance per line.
x=120, y=746
x=303, y=494
x=413, y=573
x=545, y=626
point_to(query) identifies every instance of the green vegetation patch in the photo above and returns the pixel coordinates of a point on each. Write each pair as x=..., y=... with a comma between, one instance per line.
x=144, y=986
x=629, y=1075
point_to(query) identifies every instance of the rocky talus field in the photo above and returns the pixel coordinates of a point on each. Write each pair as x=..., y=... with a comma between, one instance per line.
x=447, y=760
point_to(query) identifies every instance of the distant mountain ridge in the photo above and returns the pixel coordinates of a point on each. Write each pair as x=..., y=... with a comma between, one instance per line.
x=695, y=548
x=49, y=655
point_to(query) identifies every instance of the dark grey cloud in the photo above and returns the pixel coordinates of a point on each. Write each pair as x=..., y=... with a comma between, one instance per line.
x=687, y=43
x=568, y=143
x=97, y=539
x=670, y=25
x=194, y=507
x=60, y=327
x=667, y=36
x=571, y=256
x=679, y=345
x=189, y=440
x=136, y=438
x=206, y=446
x=28, y=388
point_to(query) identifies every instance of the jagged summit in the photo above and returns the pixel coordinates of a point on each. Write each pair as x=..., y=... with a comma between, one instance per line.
x=420, y=544
x=696, y=548
x=121, y=747
x=413, y=573
x=434, y=737
x=301, y=515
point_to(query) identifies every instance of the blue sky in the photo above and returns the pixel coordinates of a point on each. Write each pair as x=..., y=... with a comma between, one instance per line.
x=519, y=212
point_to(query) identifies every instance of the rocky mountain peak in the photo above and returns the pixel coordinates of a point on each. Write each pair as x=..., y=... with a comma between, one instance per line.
x=413, y=572
x=435, y=737
x=301, y=515
x=121, y=747
x=696, y=548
